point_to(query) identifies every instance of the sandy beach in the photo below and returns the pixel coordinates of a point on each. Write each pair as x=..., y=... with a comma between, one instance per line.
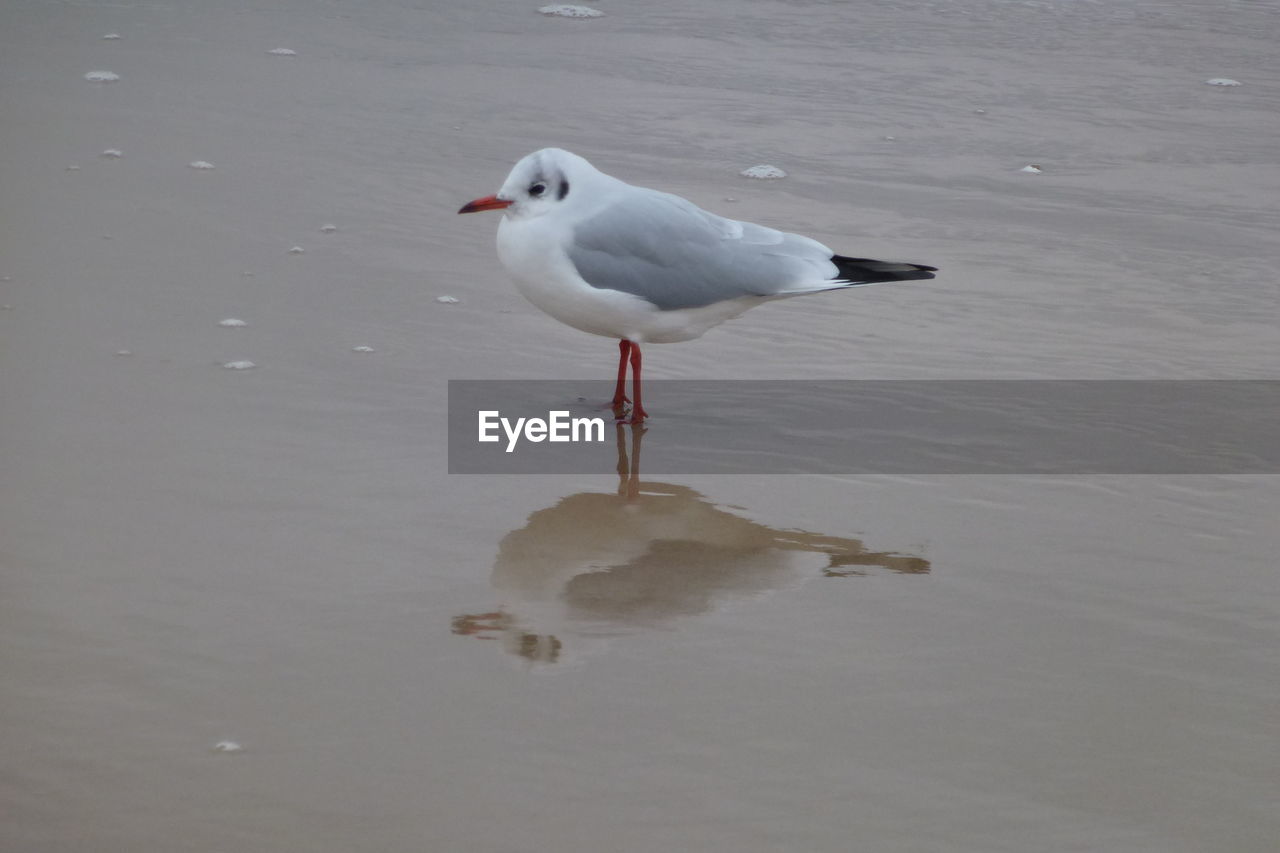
x=272, y=555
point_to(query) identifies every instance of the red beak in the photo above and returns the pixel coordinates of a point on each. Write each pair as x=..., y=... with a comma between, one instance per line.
x=489, y=202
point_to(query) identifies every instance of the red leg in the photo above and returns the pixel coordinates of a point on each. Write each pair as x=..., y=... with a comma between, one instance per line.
x=638, y=414
x=620, y=392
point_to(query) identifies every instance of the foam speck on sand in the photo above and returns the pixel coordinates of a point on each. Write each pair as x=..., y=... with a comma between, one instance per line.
x=102, y=76
x=1032, y=169
x=448, y=300
x=296, y=250
x=73, y=168
x=562, y=10
x=763, y=172
x=362, y=349
x=227, y=746
x=111, y=36
x=239, y=365
x=328, y=229
x=233, y=323
x=1222, y=81
x=112, y=153
x=201, y=164
x=282, y=51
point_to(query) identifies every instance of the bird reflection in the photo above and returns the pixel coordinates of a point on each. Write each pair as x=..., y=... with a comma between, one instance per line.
x=598, y=564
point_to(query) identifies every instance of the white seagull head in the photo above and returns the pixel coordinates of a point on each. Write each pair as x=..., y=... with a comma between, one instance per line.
x=541, y=183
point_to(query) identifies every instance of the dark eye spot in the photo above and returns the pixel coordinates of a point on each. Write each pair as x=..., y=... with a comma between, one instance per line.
x=537, y=189
x=563, y=191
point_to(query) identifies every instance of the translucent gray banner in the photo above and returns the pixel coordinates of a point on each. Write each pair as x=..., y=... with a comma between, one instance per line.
x=873, y=427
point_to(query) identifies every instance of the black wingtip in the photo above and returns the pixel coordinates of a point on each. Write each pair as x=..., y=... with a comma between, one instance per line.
x=868, y=271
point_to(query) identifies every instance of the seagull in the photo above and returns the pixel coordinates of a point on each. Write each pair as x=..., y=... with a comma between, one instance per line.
x=645, y=266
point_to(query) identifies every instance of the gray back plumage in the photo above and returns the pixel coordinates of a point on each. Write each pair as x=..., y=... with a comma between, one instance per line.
x=676, y=255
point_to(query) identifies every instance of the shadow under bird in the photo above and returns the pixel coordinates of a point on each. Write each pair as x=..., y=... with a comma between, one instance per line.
x=597, y=566
x=645, y=266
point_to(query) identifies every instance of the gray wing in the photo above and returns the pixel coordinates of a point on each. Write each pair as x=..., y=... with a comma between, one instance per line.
x=676, y=255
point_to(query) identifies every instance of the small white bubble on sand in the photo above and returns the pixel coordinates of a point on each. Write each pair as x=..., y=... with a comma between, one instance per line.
x=1222, y=81
x=227, y=746
x=112, y=153
x=233, y=323
x=448, y=300
x=200, y=164
x=890, y=138
x=563, y=10
x=111, y=36
x=980, y=111
x=73, y=168
x=362, y=349
x=296, y=250
x=282, y=51
x=102, y=77
x=763, y=172
x=124, y=352
x=239, y=365
x=1032, y=169
x=328, y=229
x=730, y=199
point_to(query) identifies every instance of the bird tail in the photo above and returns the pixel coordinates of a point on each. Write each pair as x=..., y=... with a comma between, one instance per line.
x=854, y=271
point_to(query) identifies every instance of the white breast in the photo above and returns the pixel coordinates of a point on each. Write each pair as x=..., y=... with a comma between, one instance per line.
x=533, y=254
x=543, y=274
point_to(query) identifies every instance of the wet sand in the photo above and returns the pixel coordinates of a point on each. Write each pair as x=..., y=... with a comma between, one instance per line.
x=413, y=661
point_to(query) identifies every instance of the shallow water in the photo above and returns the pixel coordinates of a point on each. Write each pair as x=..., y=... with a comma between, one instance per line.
x=275, y=557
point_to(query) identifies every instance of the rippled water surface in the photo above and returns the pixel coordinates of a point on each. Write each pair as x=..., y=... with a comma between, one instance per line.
x=248, y=609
